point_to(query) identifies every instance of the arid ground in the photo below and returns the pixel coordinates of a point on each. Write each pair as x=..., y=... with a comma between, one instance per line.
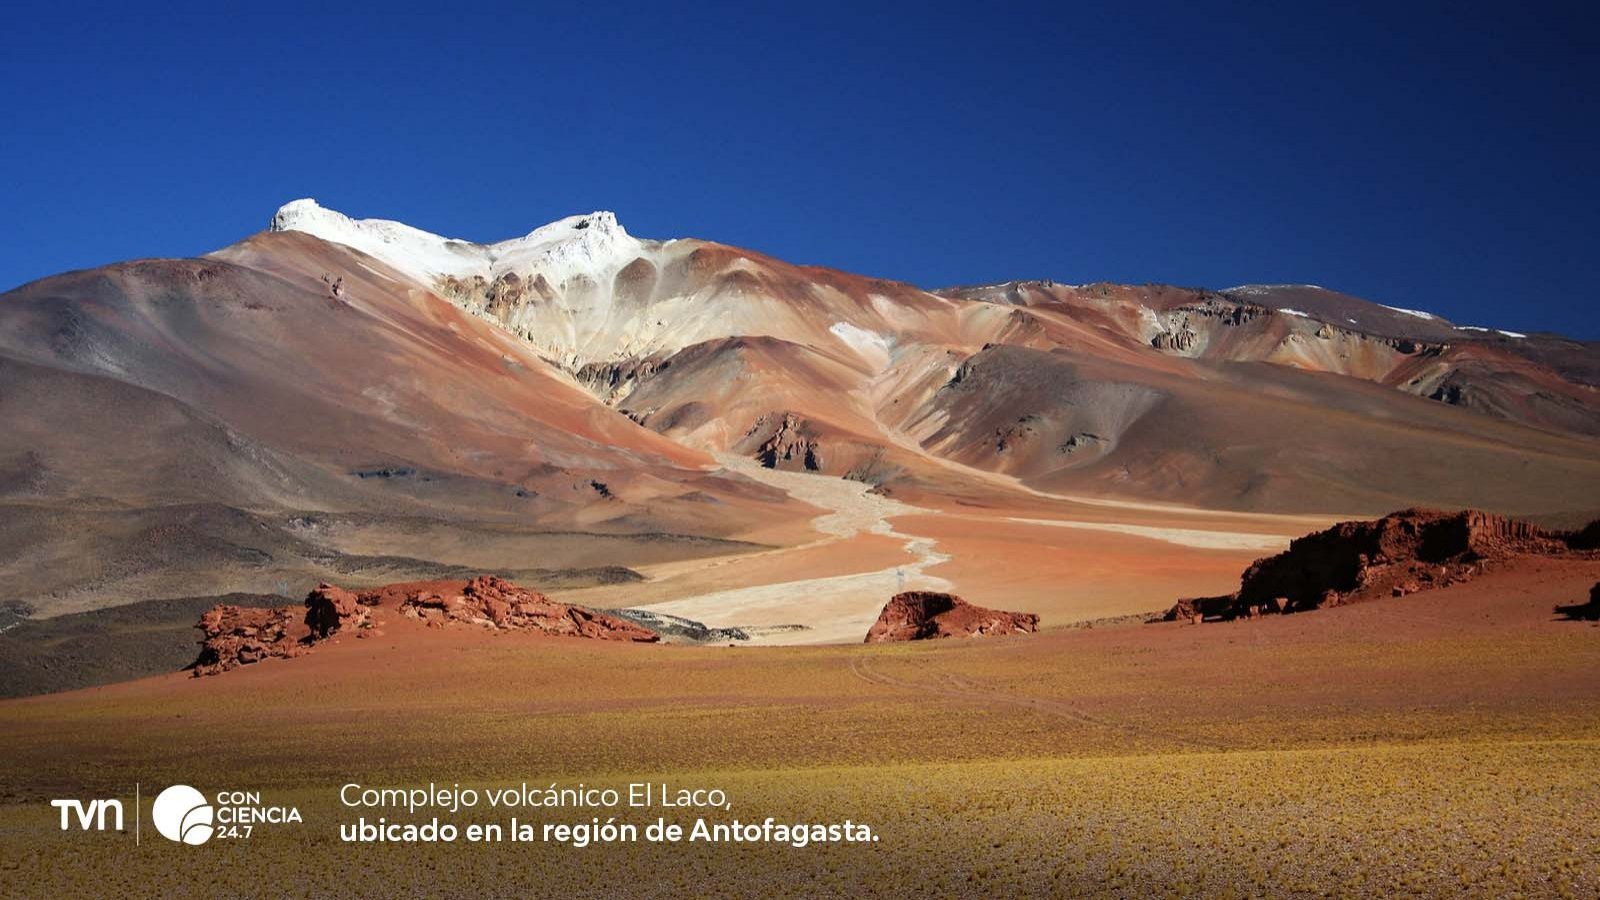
x=1442, y=743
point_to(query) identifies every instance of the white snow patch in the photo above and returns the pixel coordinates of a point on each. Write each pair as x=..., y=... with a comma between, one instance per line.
x=1269, y=288
x=594, y=244
x=1294, y=312
x=411, y=250
x=1411, y=312
x=1501, y=331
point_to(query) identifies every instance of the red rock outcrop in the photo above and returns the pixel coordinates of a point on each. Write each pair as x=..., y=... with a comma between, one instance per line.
x=233, y=636
x=920, y=615
x=497, y=603
x=236, y=636
x=1402, y=553
x=330, y=609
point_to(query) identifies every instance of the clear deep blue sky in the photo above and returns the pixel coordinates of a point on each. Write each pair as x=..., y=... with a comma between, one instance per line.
x=1440, y=159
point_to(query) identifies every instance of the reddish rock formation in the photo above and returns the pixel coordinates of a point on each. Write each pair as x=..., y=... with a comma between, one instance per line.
x=497, y=603
x=235, y=636
x=330, y=609
x=241, y=635
x=1402, y=553
x=919, y=615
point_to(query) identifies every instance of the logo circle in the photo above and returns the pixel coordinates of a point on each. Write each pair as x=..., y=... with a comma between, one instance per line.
x=182, y=814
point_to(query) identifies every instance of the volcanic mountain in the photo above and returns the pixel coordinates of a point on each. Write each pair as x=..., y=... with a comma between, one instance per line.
x=360, y=401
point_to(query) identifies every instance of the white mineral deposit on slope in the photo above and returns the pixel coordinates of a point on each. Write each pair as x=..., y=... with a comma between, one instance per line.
x=870, y=344
x=1187, y=537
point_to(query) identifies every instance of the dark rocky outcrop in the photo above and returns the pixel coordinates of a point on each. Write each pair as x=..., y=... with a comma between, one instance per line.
x=1402, y=553
x=920, y=615
x=613, y=381
x=792, y=445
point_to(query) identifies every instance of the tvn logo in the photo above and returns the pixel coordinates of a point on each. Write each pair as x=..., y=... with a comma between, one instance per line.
x=91, y=816
x=181, y=814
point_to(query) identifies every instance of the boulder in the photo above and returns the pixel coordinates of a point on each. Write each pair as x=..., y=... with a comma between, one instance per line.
x=920, y=615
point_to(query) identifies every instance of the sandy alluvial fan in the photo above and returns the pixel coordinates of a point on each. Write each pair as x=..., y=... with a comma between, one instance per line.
x=362, y=402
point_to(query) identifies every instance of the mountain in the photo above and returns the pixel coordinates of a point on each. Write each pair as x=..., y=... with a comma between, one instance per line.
x=344, y=397
x=178, y=427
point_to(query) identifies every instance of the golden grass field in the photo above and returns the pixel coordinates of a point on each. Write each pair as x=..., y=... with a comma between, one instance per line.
x=1442, y=744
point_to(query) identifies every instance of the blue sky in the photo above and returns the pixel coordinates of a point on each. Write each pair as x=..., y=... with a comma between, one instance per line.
x=1437, y=158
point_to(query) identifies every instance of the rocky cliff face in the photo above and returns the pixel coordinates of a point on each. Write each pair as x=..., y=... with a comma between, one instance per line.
x=1401, y=553
x=921, y=615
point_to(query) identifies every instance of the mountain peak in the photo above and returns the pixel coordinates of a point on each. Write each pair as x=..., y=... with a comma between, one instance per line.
x=575, y=242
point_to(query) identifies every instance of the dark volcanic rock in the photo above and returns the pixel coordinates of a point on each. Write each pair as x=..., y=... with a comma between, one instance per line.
x=919, y=615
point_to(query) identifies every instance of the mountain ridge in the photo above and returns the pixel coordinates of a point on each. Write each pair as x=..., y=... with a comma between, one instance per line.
x=592, y=382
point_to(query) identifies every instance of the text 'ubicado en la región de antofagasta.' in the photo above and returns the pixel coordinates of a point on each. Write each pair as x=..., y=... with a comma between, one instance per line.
x=435, y=801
